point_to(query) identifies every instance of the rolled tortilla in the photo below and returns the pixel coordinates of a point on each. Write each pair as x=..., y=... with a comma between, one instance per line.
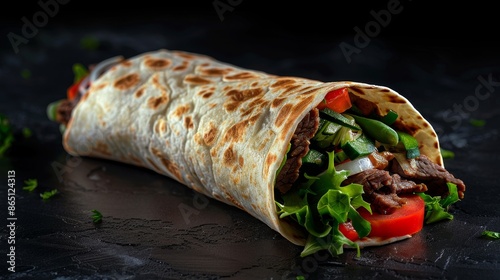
x=216, y=128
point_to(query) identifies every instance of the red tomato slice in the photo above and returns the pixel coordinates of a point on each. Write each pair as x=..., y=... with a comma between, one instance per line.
x=348, y=230
x=72, y=91
x=409, y=219
x=338, y=100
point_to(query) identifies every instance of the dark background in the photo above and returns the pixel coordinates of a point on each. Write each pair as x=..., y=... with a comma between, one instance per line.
x=457, y=28
x=434, y=54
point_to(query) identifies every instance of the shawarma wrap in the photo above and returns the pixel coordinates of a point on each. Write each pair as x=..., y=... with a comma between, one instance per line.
x=240, y=136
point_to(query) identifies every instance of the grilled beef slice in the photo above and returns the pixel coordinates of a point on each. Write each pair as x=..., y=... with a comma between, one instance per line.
x=299, y=148
x=423, y=170
x=381, y=189
x=64, y=110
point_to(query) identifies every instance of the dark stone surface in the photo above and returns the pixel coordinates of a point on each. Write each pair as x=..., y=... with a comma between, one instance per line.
x=437, y=62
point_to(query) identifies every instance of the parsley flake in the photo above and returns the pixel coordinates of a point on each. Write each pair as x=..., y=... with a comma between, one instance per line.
x=96, y=216
x=30, y=185
x=447, y=153
x=491, y=234
x=477, y=122
x=48, y=194
x=6, y=135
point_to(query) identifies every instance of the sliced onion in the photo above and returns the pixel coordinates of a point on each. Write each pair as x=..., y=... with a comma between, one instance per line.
x=98, y=70
x=356, y=166
x=84, y=86
x=103, y=66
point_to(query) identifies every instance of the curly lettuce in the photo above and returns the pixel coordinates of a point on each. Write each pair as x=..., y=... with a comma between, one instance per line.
x=436, y=208
x=321, y=204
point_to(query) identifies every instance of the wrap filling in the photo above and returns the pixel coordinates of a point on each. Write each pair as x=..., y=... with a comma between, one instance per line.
x=348, y=155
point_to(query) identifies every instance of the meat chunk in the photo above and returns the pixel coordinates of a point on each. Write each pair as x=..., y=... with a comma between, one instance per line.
x=299, y=147
x=381, y=189
x=423, y=170
x=366, y=107
x=64, y=110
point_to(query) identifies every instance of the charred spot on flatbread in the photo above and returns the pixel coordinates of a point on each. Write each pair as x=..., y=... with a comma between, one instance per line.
x=213, y=71
x=300, y=107
x=283, y=83
x=126, y=63
x=155, y=102
x=236, y=132
x=127, y=81
x=185, y=55
x=210, y=132
x=289, y=86
x=196, y=80
x=206, y=92
x=241, y=161
x=258, y=104
x=240, y=76
x=172, y=168
x=277, y=102
x=181, y=110
x=188, y=122
x=270, y=160
x=139, y=92
x=157, y=63
x=99, y=86
x=283, y=115
x=183, y=66
x=229, y=156
x=396, y=99
x=169, y=165
x=237, y=97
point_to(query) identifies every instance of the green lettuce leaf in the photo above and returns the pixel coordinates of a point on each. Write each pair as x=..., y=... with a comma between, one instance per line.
x=321, y=204
x=436, y=208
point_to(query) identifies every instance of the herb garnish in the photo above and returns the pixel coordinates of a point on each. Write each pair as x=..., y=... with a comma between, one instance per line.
x=80, y=71
x=48, y=194
x=477, y=122
x=90, y=43
x=447, y=153
x=6, y=135
x=27, y=132
x=491, y=234
x=30, y=185
x=26, y=74
x=96, y=216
